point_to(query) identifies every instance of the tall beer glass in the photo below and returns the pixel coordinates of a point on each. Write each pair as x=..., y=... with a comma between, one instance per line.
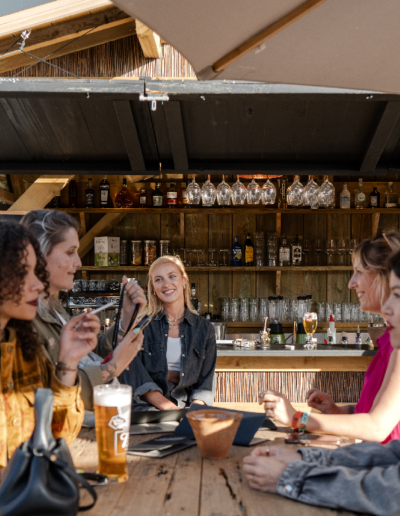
x=112, y=411
x=310, y=322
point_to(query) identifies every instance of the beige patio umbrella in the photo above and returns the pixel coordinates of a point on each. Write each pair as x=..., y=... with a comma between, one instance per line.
x=332, y=43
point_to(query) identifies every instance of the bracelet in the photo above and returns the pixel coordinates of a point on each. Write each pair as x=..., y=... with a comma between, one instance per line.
x=296, y=419
x=63, y=368
x=303, y=422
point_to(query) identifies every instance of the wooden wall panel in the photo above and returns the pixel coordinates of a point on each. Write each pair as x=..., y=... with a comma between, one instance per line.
x=266, y=282
x=244, y=285
x=338, y=226
x=292, y=282
x=196, y=237
x=220, y=237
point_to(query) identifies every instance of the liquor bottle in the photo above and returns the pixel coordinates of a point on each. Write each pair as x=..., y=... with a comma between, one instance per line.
x=248, y=252
x=89, y=195
x=345, y=199
x=297, y=251
x=193, y=298
x=56, y=201
x=284, y=253
x=391, y=198
x=237, y=253
x=104, y=188
x=282, y=201
x=72, y=193
x=184, y=195
x=375, y=198
x=142, y=198
x=157, y=197
x=360, y=199
x=124, y=198
x=172, y=197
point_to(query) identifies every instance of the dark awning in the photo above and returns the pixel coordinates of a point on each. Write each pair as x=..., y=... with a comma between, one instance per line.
x=102, y=126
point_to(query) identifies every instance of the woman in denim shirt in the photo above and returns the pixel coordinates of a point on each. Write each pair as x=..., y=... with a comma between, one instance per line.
x=176, y=365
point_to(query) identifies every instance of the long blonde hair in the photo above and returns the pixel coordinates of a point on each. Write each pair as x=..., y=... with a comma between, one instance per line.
x=371, y=256
x=155, y=305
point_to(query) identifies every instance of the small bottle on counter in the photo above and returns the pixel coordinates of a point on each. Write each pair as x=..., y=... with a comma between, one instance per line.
x=124, y=198
x=184, y=195
x=332, y=328
x=391, y=197
x=375, y=198
x=56, y=201
x=345, y=198
x=360, y=199
x=358, y=336
x=157, y=197
x=142, y=198
x=89, y=195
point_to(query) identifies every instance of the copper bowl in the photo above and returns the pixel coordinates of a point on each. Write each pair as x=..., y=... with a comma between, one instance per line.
x=214, y=431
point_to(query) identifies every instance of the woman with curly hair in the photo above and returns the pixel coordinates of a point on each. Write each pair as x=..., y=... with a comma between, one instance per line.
x=57, y=234
x=24, y=365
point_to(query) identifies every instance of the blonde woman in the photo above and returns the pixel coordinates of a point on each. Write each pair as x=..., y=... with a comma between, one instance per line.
x=176, y=365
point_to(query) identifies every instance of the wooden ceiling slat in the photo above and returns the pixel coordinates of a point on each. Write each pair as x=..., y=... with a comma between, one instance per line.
x=176, y=134
x=130, y=135
x=12, y=147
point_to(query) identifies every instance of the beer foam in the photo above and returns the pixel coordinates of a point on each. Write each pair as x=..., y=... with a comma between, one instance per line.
x=112, y=397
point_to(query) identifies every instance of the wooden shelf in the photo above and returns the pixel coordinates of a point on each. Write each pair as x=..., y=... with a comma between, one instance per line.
x=140, y=268
x=232, y=210
x=321, y=325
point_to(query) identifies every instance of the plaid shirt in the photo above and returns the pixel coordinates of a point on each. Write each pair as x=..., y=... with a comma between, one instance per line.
x=19, y=380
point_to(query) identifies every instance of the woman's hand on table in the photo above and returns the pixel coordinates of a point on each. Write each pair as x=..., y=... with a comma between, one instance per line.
x=285, y=455
x=263, y=473
x=134, y=295
x=277, y=406
x=322, y=402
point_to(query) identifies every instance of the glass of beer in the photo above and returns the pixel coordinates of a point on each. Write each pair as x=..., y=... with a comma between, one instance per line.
x=310, y=322
x=112, y=412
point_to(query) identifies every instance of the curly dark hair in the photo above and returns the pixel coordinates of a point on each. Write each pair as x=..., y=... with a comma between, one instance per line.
x=14, y=240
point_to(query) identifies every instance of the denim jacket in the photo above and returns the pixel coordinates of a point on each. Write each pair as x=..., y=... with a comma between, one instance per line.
x=149, y=370
x=362, y=478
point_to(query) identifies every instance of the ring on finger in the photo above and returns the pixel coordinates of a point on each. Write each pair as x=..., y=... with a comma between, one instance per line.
x=251, y=478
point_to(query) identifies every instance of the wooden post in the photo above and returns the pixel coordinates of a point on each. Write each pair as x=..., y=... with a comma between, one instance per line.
x=375, y=224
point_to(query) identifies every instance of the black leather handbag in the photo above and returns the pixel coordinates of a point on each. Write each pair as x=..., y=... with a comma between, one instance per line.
x=40, y=479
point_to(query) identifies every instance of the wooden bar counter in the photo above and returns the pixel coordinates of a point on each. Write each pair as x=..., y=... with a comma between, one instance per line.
x=242, y=373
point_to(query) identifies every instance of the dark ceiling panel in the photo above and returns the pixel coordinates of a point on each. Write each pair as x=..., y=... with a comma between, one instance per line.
x=141, y=114
x=11, y=147
x=69, y=125
x=103, y=127
x=32, y=126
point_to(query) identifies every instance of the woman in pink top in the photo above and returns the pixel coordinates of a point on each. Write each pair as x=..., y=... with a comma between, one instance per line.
x=370, y=280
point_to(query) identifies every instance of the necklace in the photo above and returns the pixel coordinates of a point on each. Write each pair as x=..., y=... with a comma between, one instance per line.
x=175, y=322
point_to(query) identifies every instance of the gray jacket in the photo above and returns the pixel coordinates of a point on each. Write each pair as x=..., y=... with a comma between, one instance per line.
x=149, y=370
x=361, y=478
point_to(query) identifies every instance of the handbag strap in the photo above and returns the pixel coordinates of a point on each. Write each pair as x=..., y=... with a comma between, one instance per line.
x=52, y=457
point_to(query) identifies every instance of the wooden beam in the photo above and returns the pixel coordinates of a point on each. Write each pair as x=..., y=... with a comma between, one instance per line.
x=54, y=31
x=104, y=225
x=40, y=193
x=6, y=196
x=173, y=117
x=17, y=184
x=49, y=14
x=381, y=136
x=375, y=224
x=149, y=41
x=67, y=44
x=129, y=132
x=266, y=34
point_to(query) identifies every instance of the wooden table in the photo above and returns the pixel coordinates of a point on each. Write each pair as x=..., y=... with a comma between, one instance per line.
x=184, y=484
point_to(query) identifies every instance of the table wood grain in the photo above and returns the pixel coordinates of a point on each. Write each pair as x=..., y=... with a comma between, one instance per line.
x=185, y=484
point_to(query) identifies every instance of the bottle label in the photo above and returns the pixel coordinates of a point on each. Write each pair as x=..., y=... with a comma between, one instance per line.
x=361, y=197
x=184, y=197
x=374, y=200
x=345, y=203
x=142, y=199
x=103, y=195
x=296, y=255
x=89, y=199
x=157, y=200
x=172, y=198
x=237, y=256
x=284, y=254
x=390, y=205
x=249, y=254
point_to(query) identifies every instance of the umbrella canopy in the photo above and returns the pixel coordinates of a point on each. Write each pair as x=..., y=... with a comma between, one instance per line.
x=333, y=43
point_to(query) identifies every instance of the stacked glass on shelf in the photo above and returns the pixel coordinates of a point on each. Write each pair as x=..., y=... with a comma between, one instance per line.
x=279, y=309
